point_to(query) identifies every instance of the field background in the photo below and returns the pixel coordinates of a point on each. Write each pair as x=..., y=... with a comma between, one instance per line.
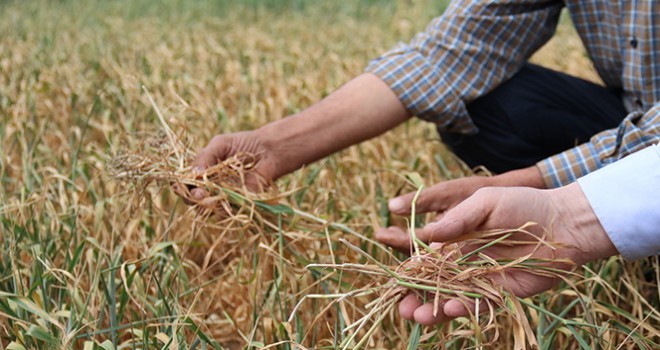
x=87, y=263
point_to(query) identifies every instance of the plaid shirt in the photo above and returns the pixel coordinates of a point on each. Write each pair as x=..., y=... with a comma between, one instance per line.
x=477, y=44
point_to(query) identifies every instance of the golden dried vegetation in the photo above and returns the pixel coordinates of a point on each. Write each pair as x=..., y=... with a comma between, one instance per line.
x=98, y=252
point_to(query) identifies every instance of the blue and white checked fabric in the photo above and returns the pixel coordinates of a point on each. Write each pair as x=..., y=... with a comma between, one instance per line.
x=476, y=45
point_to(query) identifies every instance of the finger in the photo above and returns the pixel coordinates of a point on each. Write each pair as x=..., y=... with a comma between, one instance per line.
x=394, y=237
x=208, y=202
x=193, y=195
x=424, y=315
x=182, y=191
x=438, y=216
x=178, y=189
x=217, y=150
x=430, y=199
x=401, y=240
x=465, y=217
x=408, y=305
x=463, y=308
x=198, y=193
x=255, y=182
x=436, y=246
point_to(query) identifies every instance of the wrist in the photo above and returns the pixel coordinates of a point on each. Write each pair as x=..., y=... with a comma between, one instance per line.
x=274, y=143
x=526, y=177
x=578, y=226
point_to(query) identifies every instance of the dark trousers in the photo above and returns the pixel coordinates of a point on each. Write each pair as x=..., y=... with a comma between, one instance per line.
x=534, y=115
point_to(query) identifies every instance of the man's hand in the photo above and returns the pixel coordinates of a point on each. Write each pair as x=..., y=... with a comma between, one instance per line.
x=563, y=216
x=225, y=146
x=446, y=195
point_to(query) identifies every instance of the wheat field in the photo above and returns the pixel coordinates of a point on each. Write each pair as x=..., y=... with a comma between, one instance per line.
x=89, y=261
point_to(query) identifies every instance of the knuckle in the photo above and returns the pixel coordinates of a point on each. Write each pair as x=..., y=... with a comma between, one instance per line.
x=484, y=192
x=217, y=139
x=436, y=189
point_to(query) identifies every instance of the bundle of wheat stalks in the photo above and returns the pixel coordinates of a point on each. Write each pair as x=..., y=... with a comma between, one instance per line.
x=441, y=272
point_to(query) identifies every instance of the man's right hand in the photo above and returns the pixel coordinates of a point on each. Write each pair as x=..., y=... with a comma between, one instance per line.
x=225, y=146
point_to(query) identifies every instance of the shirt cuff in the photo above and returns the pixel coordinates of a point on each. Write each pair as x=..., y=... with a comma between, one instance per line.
x=625, y=196
x=566, y=167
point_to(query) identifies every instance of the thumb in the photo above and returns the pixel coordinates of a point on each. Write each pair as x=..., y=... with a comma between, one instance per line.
x=467, y=216
x=429, y=200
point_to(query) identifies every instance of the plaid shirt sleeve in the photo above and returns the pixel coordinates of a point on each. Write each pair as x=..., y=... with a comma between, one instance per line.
x=463, y=54
x=637, y=131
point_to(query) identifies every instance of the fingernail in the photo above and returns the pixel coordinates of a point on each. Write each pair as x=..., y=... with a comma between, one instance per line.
x=396, y=204
x=198, y=194
x=455, y=308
